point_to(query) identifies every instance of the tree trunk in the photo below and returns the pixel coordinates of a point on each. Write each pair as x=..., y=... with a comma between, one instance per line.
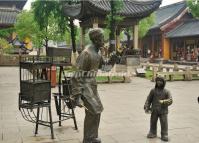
x=46, y=41
x=46, y=44
x=128, y=40
x=72, y=28
x=39, y=52
x=112, y=28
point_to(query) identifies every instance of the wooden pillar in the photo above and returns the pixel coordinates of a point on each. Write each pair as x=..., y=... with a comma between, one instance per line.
x=118, y=39
x=95, y=23
x=171, y=48
x=135, y=36
x=166, y=48
x=184, y=48
x=152, y=46
x=82, y=43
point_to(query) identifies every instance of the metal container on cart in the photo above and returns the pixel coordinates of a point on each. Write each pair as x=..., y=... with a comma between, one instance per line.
x=34, y=84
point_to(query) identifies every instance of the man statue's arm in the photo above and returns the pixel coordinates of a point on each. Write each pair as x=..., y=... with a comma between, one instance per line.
x=109, y=63
x=82, y=65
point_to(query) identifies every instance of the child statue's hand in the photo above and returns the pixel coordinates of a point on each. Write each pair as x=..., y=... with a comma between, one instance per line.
x=147, y=110
x=161, y=101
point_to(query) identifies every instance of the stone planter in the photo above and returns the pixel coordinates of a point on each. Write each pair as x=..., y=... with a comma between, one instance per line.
x=133, y=60
x=9, y=60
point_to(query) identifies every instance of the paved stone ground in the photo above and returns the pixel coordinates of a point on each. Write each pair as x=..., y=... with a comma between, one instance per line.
x=123, y=120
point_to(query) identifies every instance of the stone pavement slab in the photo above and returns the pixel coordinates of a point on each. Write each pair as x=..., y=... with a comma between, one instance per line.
x=123, y=119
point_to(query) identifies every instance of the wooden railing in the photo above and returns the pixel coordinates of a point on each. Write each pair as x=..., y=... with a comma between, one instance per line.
x=173, y=72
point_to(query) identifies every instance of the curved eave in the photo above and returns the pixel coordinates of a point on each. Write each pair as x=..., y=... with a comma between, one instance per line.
x=73, y=11
x=187, y=29
x=183, y=36
x=172, y=17
x=133, y=9
x=130, y=8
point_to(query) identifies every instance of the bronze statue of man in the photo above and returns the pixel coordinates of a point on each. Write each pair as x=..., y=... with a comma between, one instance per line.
x=157, y=104
x=84, y=85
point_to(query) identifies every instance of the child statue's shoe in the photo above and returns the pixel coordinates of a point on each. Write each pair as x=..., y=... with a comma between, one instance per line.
x=96, y=140
x=165, y=138
x=151, y=135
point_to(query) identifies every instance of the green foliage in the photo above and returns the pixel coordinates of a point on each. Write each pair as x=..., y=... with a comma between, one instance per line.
x=104, y=79
x=27, y=27
x=106, y=34
x=51, y=20
x=4, y=44
x=145, y=24
x=149, y=74
x=43, y=9
x=116, y=6
x=194, y=7
x=5, y=33
x=113, y=20
x=5, y=47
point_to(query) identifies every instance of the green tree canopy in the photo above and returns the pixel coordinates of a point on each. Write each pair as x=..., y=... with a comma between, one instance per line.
x=51, y=20
x=5, y=33
x=113, y=19
x=27, y=27
x=5, y=47
x=145, y=24
x=73, y=28
x=194, y=7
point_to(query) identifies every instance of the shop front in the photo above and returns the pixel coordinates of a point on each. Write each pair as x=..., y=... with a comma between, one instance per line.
x=185, y=49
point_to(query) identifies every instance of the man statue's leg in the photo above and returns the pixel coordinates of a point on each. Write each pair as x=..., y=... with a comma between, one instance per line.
x=91, y=125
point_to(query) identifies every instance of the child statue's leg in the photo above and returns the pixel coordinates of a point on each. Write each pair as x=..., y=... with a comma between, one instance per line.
x=164, y=127
x=153, y=125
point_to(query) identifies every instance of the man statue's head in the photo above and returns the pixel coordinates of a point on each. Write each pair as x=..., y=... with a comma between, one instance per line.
x=97, y=37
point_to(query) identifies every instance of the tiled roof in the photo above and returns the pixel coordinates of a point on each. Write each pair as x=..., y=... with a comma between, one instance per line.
x=168, y=13
x=131, y=8
x=189, y=28
x=8, y=15
x=19, y=4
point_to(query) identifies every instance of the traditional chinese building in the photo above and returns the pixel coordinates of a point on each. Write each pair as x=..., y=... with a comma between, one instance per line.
x=92, y=13
x=9, y=9
x=174, y=36
x=184, y=41
x=8, y=12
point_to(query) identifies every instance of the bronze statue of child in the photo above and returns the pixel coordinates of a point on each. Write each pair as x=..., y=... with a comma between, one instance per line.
x=157, y=104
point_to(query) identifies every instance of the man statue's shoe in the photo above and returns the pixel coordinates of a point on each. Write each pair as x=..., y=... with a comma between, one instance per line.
x=151, y=135
x=96, y=140
x=165, y=138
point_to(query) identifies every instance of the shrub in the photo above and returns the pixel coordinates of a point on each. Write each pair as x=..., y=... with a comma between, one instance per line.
x=5, y=47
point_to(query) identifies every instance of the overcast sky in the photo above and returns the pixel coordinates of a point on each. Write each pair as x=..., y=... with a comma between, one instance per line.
x=164, y=2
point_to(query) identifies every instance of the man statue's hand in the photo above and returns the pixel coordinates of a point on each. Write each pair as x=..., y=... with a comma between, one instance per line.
x=77, y=101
